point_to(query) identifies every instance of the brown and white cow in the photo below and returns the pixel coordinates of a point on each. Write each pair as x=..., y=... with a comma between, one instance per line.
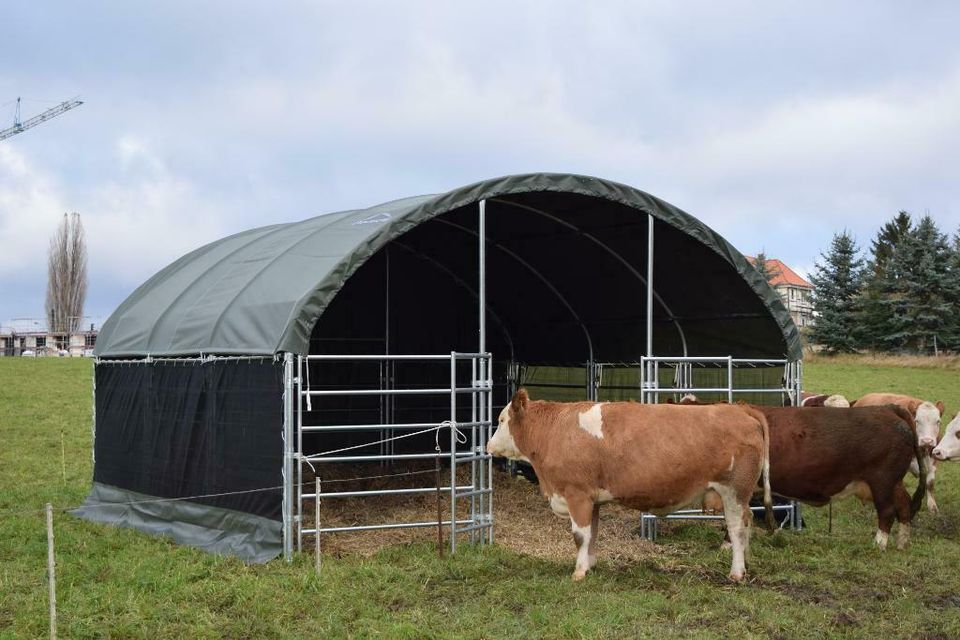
x=820, y=453
x=949, y=446
x=927, y=416
x=656, y=458
x=823, y=400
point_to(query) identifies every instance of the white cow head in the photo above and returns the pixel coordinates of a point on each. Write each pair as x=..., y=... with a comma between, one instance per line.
x=837, y=401
x=502, y=444
x=949, y=447
x=928, y=423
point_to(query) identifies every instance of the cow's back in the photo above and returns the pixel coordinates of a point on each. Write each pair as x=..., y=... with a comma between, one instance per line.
x=648, y=456
x=816, y=452
x=909, y=403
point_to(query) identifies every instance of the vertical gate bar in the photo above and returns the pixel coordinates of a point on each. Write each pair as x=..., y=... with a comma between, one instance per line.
x=383, y=401
x=482, y=272
x=489, y=427
x=482, y=331
x=730, y=379
x=649, y=284
x=287, y=470
x=453, y=452
x=643, y=379
x=299, y=451
x=473, y=448
x=480, y=476
x=484, y=415
x=388, y=365
x=316, y=524
x=799, y=378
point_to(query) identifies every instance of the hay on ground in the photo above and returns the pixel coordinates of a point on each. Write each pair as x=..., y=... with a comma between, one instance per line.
x=523, y=520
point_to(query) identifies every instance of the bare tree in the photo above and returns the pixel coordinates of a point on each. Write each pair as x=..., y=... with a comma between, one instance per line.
x=67, y=276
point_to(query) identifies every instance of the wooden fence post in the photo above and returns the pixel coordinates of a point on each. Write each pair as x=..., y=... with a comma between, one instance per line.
x=51, y=573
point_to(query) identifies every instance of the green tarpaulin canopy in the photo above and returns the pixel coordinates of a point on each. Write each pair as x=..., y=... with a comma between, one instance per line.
x=565, y=277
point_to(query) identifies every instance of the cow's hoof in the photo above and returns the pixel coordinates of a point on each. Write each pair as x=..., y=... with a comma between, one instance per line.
x=737, y=577
x=934, y=509
x=579, y=575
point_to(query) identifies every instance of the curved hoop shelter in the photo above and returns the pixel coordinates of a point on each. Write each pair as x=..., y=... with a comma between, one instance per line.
x=565, y=250
x=197, y=399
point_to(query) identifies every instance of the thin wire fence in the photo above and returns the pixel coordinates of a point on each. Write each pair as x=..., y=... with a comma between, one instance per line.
x=437, y=429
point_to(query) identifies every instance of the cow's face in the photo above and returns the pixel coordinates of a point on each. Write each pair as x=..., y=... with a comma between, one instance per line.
x=928, y=425
x=949, y=447
x=837, y=401
x=503, y=444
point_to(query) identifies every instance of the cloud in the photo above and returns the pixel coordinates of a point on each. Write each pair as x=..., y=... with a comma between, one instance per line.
x=776, y=124
x=30, y=208
x=136, y=222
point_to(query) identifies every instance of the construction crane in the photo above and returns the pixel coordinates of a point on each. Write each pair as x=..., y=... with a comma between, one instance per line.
x=20, y=127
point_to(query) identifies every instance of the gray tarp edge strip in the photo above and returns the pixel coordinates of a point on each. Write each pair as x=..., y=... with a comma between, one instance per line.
x=410, y=212
x=252, y=538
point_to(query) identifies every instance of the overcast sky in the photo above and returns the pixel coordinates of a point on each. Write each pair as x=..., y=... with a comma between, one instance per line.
x=777, y=124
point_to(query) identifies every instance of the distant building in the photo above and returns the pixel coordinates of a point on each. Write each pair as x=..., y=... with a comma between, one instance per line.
x=33, y=338
x=796, y=293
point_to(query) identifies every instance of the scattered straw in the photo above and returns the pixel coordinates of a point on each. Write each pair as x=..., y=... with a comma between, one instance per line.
x=523, y=519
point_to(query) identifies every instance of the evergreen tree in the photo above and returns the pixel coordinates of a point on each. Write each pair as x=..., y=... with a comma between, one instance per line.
x=768, y=271
x=890, y=234
x=919, y=290
x=837, y=280
x=874, y=322
x=953, y=333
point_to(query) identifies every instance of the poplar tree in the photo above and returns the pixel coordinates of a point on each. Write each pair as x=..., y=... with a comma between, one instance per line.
x=837, y=278
x=66, y=276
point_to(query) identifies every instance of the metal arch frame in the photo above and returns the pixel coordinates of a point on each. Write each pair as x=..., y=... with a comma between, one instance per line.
x=463, y=284
x=608, y=249
x=532, y=270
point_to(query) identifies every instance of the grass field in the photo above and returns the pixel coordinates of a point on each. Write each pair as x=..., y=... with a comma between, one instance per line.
x=122, y=584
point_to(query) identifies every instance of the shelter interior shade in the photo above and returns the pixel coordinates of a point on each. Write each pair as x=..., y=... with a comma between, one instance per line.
x=565, y=280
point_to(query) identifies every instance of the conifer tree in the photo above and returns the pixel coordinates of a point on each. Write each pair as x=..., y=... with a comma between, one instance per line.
x=768, y=271
x=890, y=234
x=919, y=292
x=837, y=279
x=953, y=338
x=873, y=315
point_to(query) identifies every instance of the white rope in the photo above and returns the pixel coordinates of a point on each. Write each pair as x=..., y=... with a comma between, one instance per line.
x=461, y=438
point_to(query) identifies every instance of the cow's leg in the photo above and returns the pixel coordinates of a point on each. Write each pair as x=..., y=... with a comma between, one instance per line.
x=594, y=533
x=581, y=519
x=901, y=504
x=736, y=513
x=884, y=503
x=931, y=465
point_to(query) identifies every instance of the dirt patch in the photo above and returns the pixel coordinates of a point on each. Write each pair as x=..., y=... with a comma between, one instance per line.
x=943, y=525
x=844, y=619
x=801, y=593
x=942, y=601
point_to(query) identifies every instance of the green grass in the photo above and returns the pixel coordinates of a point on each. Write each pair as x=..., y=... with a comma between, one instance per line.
x=123, y=584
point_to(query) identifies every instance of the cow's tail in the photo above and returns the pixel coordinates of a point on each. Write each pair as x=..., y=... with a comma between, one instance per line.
x=767, y=493
x=917, y=500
